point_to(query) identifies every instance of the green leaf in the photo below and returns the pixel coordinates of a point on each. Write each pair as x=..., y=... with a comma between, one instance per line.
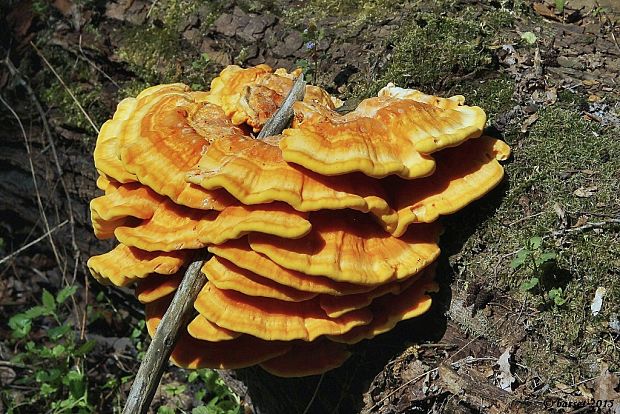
x=529, y=284
x=48, y=301
x=200, y=394
x=36, y=311
x=559, y=6
x=556, y=296
x=57, y=332
x=47, y=389
x=85, y=348
x=193, y=376
x=41, y=376
x=520, y=259
x=77, y=384
x=65, y=293
x=164, y=409
x=545, y=257
x=137, y=331
x=58, y=350
x=54, y=374
x=202, y=410
x=21, y=325
x=528, y=37
x=535, y=242
x=110, y=383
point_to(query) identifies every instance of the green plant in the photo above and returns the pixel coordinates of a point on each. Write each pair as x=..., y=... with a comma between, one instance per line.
x=54, y=361
x=539, y=264
x=311, y=36
x=528, y=37
x=221, y=400
x=136, y=336
x=599, y=11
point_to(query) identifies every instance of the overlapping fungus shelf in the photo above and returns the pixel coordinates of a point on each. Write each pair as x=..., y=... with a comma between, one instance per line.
x=320, y=237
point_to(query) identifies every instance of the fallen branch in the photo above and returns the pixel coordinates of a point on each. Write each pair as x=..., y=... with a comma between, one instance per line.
x=178, y=313
x=152, y=367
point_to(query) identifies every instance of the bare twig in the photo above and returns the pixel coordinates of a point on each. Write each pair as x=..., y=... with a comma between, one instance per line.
x=32, y=243
x=587, y=226
x=34, y=181
x=76, y=251
x=91, y=63
x=316, y=392
x=51, y=144
x=150, y=371
x=88, y=118
x=282, y=118
x=152, y=367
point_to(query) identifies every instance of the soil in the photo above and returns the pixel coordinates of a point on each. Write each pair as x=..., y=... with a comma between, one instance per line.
x=548, y=79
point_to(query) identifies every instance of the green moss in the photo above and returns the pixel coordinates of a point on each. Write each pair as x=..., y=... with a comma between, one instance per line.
x=492, y=95
x=151, y=53
x=353, y=11
x=562, y=153
x=158, y=54
x=434, y=49
x=78, y=76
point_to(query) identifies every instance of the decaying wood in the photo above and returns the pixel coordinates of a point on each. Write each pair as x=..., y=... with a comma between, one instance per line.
x=179, y=312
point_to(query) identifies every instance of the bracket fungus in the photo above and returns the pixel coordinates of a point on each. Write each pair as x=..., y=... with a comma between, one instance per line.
x=321, y=236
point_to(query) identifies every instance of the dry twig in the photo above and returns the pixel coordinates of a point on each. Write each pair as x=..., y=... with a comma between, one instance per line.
x=587, y=226
x=46, y=224
x=49, y=65
x=76, y=251
x=32, y=243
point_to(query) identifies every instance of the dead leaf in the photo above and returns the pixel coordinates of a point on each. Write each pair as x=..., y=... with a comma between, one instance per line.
x=585, y=192
x=20, y=18
x=614, y=323
x=580, y=221
x=551, y=96
x=566, y=389
x=594, y=98
x=544, y=11
x=605, y=388
x=585, y=391
x=426, y=383
x=559, y=211
x=7, y=375
x=504, y=362
x=529, y=122
x=589, y=82
x=64, y=6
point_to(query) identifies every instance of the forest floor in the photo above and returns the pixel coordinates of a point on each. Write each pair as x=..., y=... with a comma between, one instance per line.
x=515, y=327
